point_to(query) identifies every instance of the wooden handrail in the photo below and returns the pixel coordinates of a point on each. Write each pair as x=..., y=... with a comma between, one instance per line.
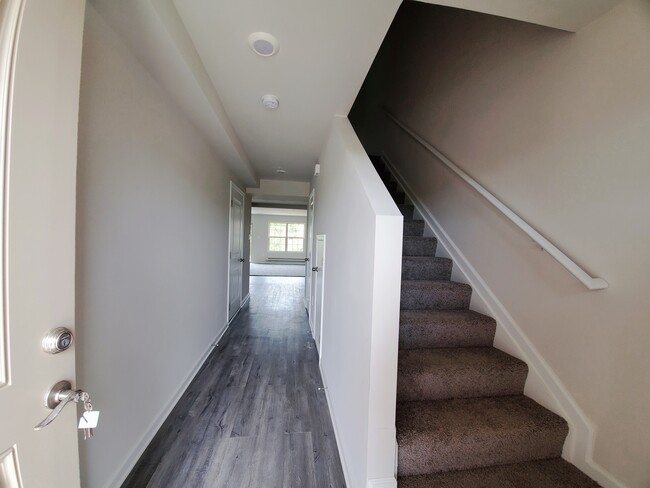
x=590, y=282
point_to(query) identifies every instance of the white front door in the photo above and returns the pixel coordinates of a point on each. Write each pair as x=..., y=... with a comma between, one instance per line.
x=318, y=292
x=40, y=48
x=236, y=262
x=308, y=260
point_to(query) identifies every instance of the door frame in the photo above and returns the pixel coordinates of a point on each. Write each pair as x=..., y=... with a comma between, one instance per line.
x=310, y=255
x=234, y=189
x=318, y=321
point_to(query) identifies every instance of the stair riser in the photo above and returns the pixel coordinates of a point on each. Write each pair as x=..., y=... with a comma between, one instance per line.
x=422, y=336
x=413, y=227
x=407, y=211
x=420, y=246
x=415, y=296
x=441, y=385
x=547, y=473
x=423, y=455
x=425, y=269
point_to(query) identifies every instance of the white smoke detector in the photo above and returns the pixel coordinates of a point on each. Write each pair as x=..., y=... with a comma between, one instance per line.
x=270, y=101
x=263, y=43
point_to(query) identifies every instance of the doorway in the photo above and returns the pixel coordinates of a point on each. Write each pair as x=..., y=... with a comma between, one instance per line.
x=308, y=258
x=235, y=251
x=318, y=293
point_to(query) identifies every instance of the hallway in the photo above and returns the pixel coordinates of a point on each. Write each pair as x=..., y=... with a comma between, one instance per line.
x=253, y=416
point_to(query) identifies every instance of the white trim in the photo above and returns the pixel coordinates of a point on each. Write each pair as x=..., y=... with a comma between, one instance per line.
x=12, y=13
x=157, y=422
x=309, y=254
x=318, y=321
x=243, y=302
x=580, y=442
x=243, y=197
x=235, y=315
x=382, y=483
x=337, y=435
x=545, y=244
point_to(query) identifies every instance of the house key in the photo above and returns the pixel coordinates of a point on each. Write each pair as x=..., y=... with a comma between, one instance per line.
x=89, y=418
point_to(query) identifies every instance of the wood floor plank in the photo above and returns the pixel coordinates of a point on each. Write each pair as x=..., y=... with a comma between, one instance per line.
x=253, y=417
x=299, y=469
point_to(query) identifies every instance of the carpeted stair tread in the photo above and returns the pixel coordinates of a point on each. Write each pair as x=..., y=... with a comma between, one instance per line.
x=413, y=227
x=461, y=372
x=445, y=328
x=438, y=295
x=462, y=421
x=545, y=473
x=426, y=268
x=407, y=210
x=419, y=246
x=466, y=433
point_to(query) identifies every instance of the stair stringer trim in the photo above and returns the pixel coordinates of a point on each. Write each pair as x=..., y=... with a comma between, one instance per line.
x=542, y=384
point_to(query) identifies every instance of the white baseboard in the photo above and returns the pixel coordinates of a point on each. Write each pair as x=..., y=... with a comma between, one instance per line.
x=155, y=425
x=245, y=300
x=337, y=435
x=382, y=483
x=580, y=442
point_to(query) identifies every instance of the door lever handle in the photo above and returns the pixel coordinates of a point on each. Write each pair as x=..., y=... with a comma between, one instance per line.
x=57, y=398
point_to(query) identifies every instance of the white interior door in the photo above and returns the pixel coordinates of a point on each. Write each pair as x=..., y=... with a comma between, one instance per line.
x=38, y=156
x=308, y=260
x=236, y=262
x=319, y=277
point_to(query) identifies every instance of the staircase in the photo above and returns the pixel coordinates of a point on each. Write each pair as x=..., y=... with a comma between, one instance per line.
x=462, y=417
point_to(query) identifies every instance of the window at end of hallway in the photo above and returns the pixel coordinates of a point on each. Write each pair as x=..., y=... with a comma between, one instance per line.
x=286, y=237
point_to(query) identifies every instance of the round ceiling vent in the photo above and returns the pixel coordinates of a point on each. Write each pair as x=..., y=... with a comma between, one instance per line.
x=263, y=43
x=270, y=101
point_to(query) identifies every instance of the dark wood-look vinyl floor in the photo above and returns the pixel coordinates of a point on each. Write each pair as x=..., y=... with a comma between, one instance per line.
x=254, y=415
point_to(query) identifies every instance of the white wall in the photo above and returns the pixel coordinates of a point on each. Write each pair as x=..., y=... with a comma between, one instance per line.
x=556, y=125
x=361, y=305
x=260, y=237
x=152, y=248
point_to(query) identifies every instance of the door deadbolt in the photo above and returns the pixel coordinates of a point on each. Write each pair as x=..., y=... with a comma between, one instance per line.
x=57, y=340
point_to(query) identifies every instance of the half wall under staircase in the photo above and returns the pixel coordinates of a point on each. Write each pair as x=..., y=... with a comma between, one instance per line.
x=462, y=418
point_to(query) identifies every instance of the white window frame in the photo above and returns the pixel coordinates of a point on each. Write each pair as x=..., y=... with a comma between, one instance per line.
x=286, y=236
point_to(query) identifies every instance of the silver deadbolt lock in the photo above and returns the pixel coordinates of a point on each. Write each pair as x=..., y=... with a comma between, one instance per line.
x=57, y=340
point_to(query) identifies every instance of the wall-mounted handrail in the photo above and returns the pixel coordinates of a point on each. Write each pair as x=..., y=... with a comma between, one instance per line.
x=590, y=282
